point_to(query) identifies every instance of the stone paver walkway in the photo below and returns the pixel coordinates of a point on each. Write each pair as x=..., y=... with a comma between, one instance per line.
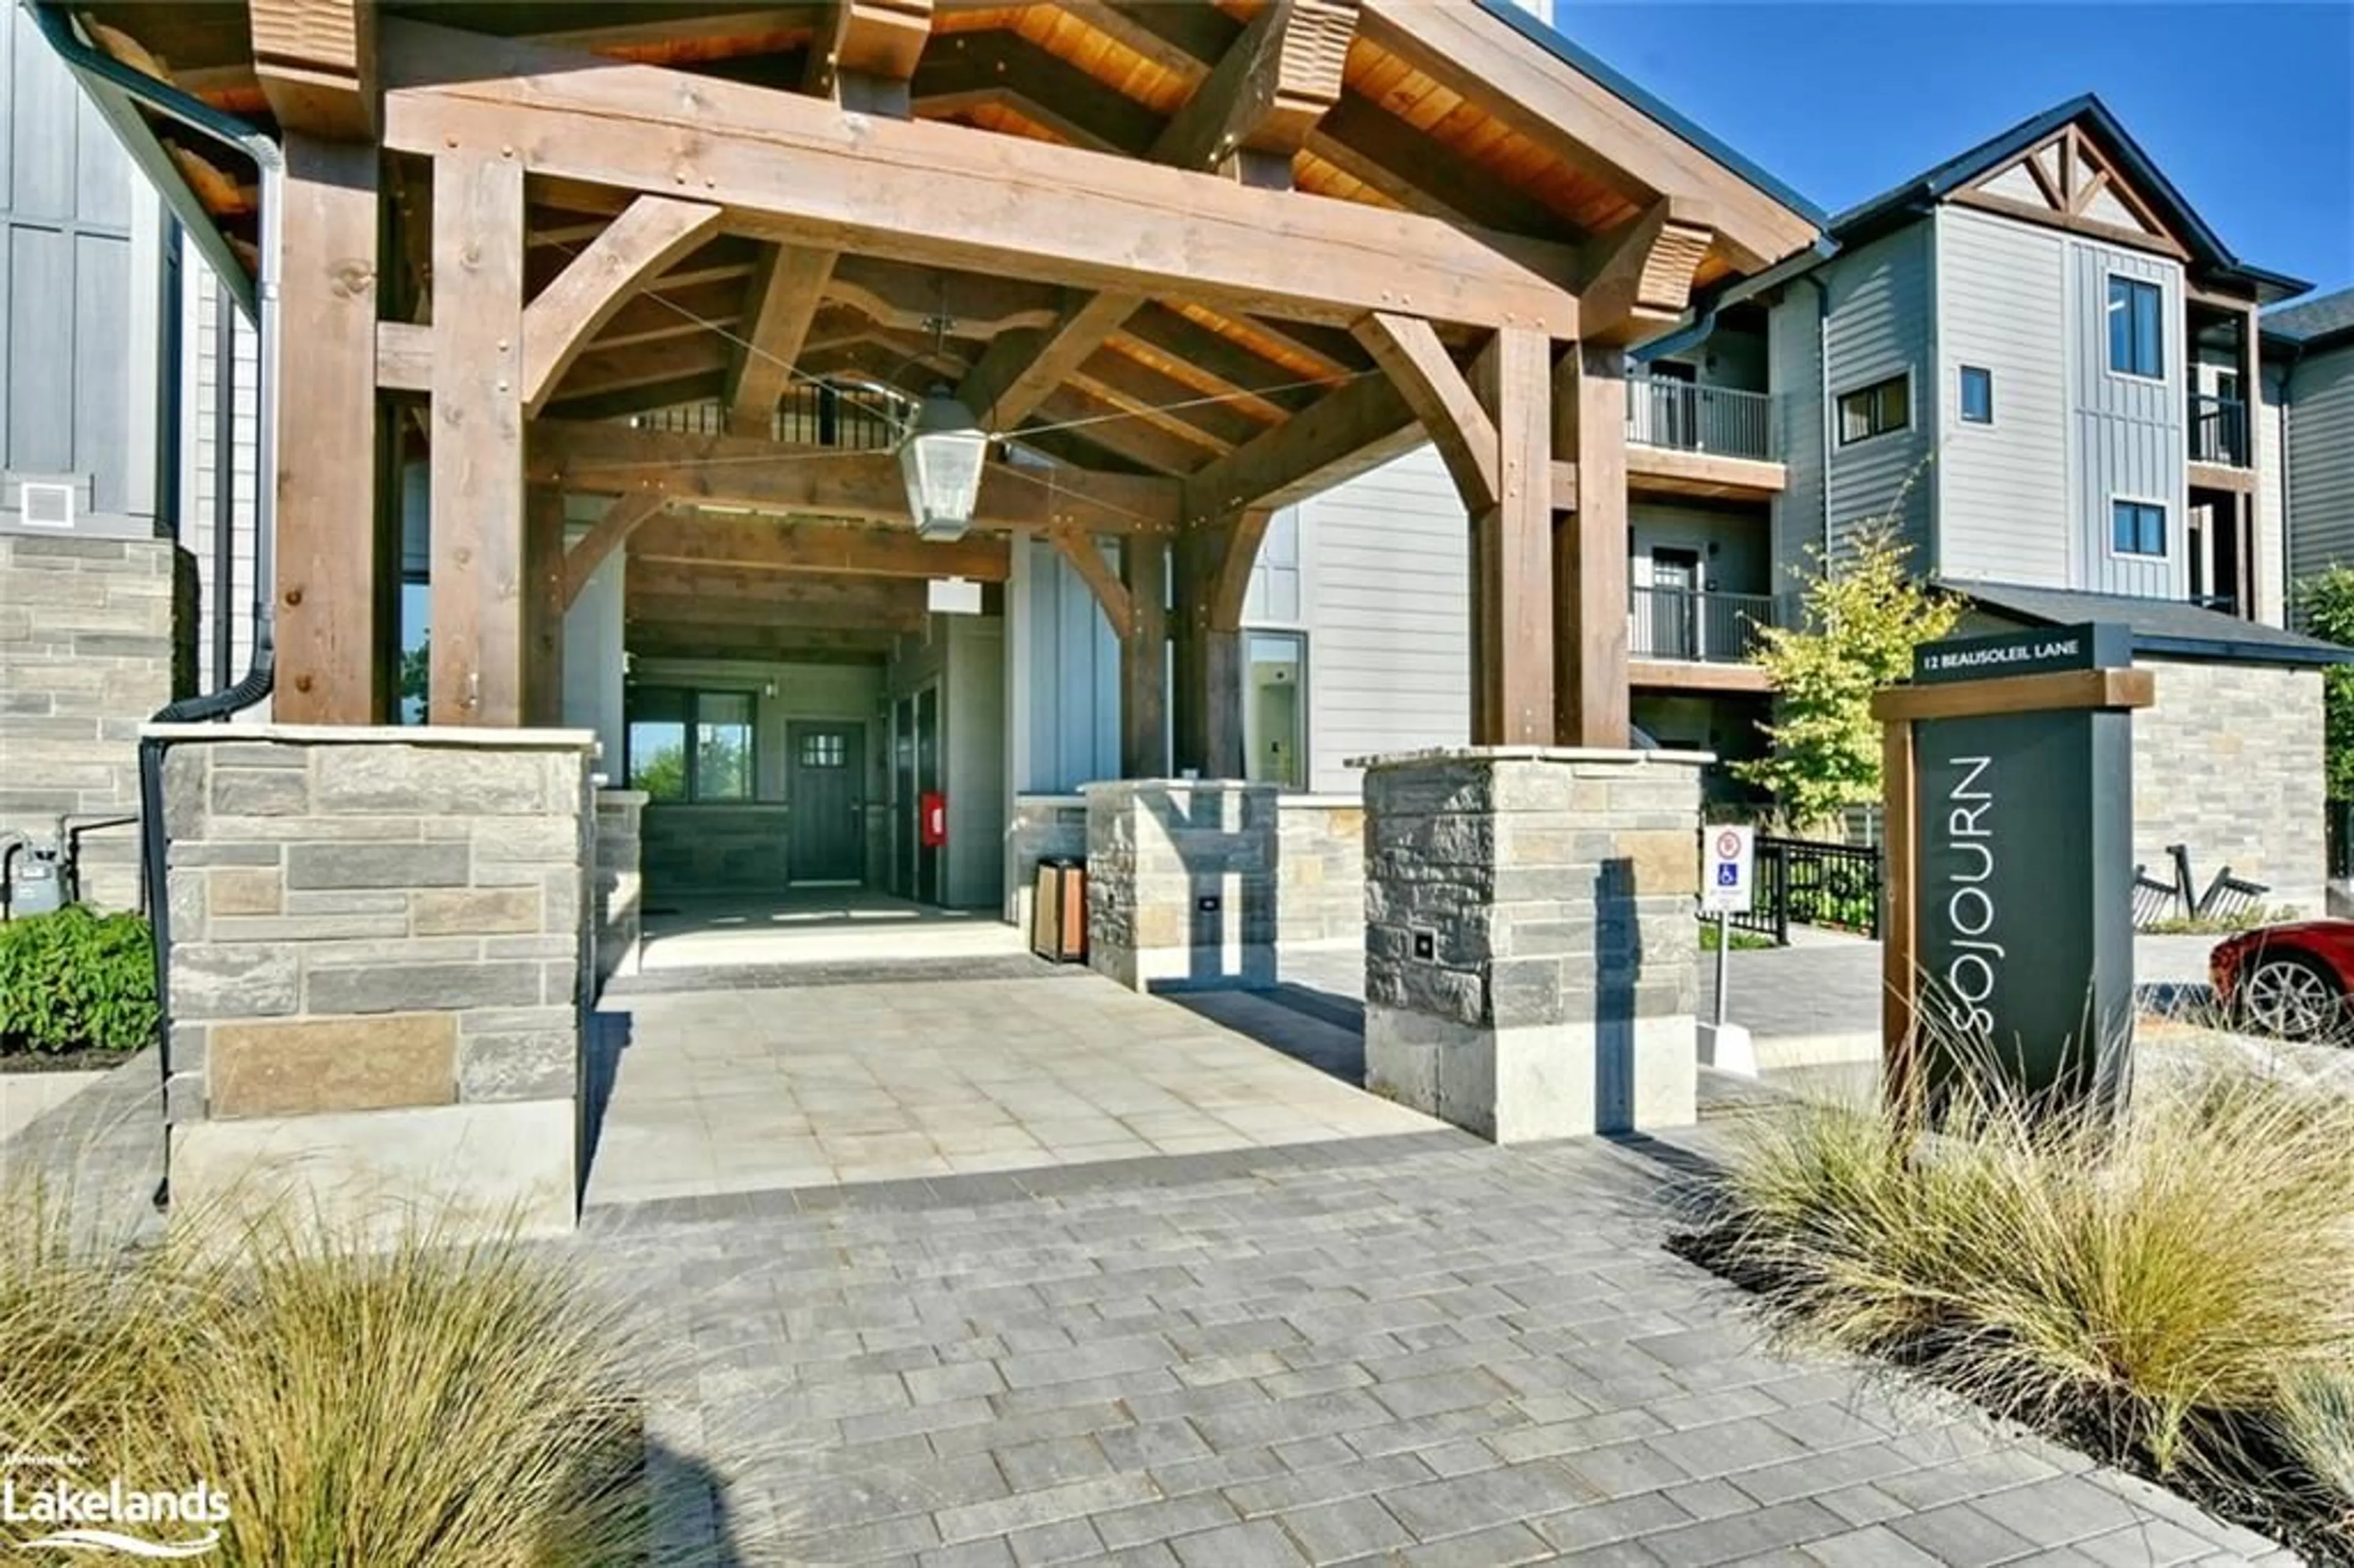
x=1418, y=1350
x=909, y=1077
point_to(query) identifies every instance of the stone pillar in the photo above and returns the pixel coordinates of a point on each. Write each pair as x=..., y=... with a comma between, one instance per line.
x=377, y=966
x=1180, y=883
x=619, y=887
x=1530, y=954
x=95, y=635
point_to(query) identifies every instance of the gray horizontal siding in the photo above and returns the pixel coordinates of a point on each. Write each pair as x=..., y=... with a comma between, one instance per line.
x=2321, y=462
x=2002, y=489
x=1793, y=352
x=1880, y=326
x=1388, y=609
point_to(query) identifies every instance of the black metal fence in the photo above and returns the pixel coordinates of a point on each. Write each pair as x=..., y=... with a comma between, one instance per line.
x=2219, y=430
x=1805, y=882
x=2340, y=821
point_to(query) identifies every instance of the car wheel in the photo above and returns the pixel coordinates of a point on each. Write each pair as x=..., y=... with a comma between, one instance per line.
x=2292, y=997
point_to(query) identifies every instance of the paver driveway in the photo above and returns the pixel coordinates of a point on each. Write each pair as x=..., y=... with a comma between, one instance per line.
x=1417, y=1349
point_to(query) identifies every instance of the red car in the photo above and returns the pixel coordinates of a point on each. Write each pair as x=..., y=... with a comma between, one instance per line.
x=2292, y=980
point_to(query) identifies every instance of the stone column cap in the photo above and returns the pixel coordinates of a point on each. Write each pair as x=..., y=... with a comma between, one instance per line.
x=1491, y=754
x=622, y=797
x=485, y=739
x=1198, y=785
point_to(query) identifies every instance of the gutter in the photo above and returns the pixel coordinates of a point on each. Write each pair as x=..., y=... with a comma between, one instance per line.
x=105, y=78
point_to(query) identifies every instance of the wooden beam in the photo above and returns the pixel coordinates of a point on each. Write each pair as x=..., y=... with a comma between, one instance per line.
x=902, y=614
x=1642, y=278
x=1590, y=551
x=792, y=168
x=328, y=671
x=1087, y=558
x=404, y=357
x=1513, y=636
x=1020, y=370
x=1417, y=365
x=878, y=40
x=2126, y=688
x=1580, y=120
x=965, y=69
x=624, y=517
x=754, y=645
x=1411, y=167
x=779, y=305
x=896, y=295
x=1269, y=90
x=1144, y=660
x=827, y=481
x=315, y=62
x=1346, y=432
x=479, y=651
x=819, y=548
x=780, y=593
x=651, y=233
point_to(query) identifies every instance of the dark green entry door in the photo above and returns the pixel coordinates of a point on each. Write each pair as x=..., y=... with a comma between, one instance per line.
x=828, y=807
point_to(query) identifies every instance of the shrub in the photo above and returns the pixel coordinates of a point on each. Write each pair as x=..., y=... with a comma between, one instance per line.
x=73, y=979
x=2159, y=1289
x=432, y=1403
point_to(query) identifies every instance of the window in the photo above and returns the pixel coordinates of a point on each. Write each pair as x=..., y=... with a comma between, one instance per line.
x=2137, y=333
x=1274, y=708
x=820, y=749
x=1876, y=409
x=2137, y=528
x=1977, y=395
x=720, y=764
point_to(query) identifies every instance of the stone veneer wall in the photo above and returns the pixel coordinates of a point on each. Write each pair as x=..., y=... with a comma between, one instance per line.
x=1042, y=825
x=618, y=884
x=378, y=966
x=95, y=636
x=1181, y=885
x=2230, y=762
x=1321, y=873
x=1531, y=956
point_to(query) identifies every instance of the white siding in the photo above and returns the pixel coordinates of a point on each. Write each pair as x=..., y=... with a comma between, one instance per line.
x=218, y=599
x=2321, y=462
x=1388, y=616
x=1880, y=326
x=973, y=705
x=2127, y=441
x=2002, y=489
x=2273, y=566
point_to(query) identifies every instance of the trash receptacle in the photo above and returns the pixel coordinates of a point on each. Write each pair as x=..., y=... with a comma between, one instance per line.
x=1058, y=911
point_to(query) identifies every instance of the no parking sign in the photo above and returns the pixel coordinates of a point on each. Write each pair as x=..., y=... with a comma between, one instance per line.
x=1729, y=870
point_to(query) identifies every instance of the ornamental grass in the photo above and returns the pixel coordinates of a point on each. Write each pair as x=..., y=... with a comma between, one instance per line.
x=430, y=1401
x=2172, y=1291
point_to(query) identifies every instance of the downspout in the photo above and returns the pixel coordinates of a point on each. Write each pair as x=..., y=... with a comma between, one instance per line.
x=95, y=69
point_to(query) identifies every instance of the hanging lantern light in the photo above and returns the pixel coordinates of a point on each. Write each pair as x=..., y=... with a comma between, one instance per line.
x=940, y=458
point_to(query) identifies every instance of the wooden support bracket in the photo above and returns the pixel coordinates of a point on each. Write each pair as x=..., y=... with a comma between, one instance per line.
x=1642, y=278
x=621, y=519
x=651, y=232
x=1408, y=350
x=1086, y=559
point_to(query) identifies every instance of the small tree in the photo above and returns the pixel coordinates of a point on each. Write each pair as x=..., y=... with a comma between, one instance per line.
x=1863, y=615
x=2326, y=604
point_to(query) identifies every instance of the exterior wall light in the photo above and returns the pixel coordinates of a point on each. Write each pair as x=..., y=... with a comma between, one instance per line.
x=941, y=457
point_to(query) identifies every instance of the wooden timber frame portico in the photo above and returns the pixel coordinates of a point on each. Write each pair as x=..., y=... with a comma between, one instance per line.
x=1198, y=260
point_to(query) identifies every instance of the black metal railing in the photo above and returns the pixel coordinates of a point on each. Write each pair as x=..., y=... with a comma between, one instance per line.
x=852, y=418
x=1806, y=882
x=1696, y=626
x=1693, y=418
x=2340, y=828
x=2219, y=430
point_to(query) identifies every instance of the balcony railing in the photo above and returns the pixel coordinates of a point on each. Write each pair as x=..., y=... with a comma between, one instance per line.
x=1693, y=418
x=2219, y=430
x=1696, y=626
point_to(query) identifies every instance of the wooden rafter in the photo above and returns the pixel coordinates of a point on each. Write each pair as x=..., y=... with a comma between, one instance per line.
x=651, y=233
x=624, y=517
x=900, y=611
x=813, y=545
x=826, y=482
x=1642, y=278
x=970, y=69
x=315, y=60
x=869, y=41
x=782, y=301
x=789, y=167
x=1269, y=88
x=1021, y=369
x=1360, y=427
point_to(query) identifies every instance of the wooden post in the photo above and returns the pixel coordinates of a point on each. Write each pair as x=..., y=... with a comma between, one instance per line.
x=544, y=606
x=477, y=466
x=1214, y=561
x=1512, y=546
x=329, y=670
x=1590, y=551
x=1144, y=660
x=1899, y=934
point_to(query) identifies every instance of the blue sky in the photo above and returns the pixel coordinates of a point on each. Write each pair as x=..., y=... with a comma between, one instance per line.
x=2248, y=107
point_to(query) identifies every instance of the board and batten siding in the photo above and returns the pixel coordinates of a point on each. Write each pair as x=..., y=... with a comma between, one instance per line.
x=2126, y=432
x=81, y=275
x=1881, y=325
x=2002, y=489
x=1068, y=733
x=2321, y=462
x=1388, y=614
